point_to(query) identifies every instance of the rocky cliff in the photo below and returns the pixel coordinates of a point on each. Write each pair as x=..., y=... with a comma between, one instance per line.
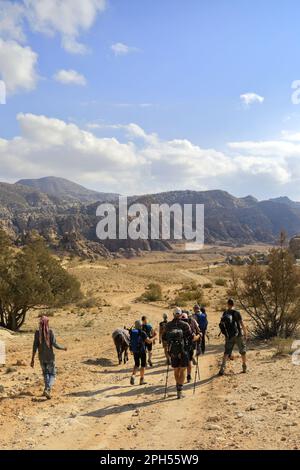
x=68, y=223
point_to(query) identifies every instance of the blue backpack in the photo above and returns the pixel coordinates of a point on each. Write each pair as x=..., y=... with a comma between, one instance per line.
x=137, y=344
x=202, y=320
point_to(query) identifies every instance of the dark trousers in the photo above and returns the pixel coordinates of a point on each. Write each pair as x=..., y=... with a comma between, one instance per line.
x=203, y=345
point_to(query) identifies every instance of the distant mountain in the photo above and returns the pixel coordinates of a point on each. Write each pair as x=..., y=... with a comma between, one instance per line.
x=65, y=190
x=232, y=219
x=16, y=196
x=65, y=216
x=285, y=200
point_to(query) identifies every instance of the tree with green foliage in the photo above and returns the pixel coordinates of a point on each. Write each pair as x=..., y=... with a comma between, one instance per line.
x=270, y=295
x=31, y=278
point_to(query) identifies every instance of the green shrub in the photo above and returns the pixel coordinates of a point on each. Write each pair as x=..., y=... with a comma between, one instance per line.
x=207, y=285
x=189, y=293
x=221, y=282
x=282, y=346
x=89, y=302
x=152, y=293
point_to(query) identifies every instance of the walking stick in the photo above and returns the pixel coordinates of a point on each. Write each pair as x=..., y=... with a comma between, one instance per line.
x=166, y=385
x=197, y=371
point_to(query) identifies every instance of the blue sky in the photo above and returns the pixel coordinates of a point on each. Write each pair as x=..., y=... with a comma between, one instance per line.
x=148, y=95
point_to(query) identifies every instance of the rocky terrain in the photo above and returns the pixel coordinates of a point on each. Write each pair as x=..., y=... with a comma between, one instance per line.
x=64, y=213
x=95, y=407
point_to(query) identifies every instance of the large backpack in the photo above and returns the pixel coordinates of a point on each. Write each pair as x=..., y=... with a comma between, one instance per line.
x=137, y=344
x=175, y=340
x=228, y=324
x=202, y=320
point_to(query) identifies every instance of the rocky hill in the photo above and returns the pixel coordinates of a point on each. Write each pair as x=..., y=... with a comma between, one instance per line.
x=65, y=190
x=68, y=221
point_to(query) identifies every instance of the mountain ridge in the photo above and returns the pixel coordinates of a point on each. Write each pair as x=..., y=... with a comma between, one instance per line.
x=70, y=218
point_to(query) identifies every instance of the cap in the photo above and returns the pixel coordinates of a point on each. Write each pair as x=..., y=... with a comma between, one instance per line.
x=177, y=311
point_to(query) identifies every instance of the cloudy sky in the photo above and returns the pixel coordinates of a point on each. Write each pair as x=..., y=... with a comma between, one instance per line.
x=140, y=96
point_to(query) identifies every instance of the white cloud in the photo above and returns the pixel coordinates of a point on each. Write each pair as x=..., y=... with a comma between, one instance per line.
x=250, y=98
x=17, y=66
x=142, y=162
x=11, y=21
x=70, y=77
x=67, y=18
x=120, y=48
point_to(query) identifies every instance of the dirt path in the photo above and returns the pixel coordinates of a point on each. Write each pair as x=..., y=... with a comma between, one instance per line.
x=116, y=415
x=95, y=407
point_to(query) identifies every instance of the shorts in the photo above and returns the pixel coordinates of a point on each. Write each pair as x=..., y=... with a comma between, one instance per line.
x=140, y=359
x=236, y=340
x=149, y=346
x=180, y=361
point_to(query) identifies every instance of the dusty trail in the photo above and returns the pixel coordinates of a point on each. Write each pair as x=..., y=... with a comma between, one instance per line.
x=95, y=407
x=116, y=415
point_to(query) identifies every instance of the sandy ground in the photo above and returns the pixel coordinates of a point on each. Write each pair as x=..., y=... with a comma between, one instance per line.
x=95, y=407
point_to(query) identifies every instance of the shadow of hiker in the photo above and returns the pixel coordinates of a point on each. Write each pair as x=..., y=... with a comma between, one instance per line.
x=160, y=389
x=102, y=361
x=113, y=409
x=91, y=393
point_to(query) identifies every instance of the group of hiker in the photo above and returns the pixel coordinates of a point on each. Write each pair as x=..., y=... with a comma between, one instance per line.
x=182, y=338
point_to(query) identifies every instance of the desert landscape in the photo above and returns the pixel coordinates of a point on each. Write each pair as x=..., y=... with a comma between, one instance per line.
x=94, y=406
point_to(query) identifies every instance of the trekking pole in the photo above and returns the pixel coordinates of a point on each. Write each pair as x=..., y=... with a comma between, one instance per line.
x=166, y=385
x=197, y=371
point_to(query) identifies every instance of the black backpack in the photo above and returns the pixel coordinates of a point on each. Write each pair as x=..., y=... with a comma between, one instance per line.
x=175, y=340
x=228, y=324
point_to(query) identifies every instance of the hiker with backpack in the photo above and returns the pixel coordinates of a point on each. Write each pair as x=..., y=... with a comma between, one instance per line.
x=179, y=335
x=147, y=328
x=235, y=332
x=201, y=318
x=44, y=342
x=188, y=317
x=162, y=336
x=137, y=346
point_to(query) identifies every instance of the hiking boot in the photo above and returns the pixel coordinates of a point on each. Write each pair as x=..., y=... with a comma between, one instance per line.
x=142, y=381
x=150, y=363
x=221, y=371
x=244, y=368
x=179, y=394
x=189, y=378
x=132, y=380
x=47, y=394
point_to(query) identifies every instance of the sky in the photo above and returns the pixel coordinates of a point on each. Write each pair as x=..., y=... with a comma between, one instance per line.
x=136, y=96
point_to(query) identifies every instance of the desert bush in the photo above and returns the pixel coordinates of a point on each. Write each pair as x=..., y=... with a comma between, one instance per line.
x=270, y=295
x=207, y=285
x=88, y=302
x=31, y=278
x=282, y=346
x=49, y=313
x=152, y=293
x=221, y=282
x=188, y=293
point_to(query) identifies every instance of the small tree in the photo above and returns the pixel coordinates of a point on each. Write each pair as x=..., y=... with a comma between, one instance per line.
x=271, y=295
x=31, y=278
